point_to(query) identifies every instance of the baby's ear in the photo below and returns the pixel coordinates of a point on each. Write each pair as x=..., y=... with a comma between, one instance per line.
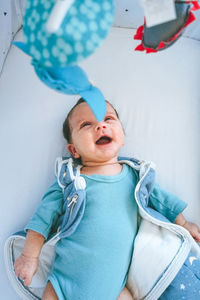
x=72, y=151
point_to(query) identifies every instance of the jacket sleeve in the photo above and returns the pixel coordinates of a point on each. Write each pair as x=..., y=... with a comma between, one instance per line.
x=166, y=203
x=48, y=211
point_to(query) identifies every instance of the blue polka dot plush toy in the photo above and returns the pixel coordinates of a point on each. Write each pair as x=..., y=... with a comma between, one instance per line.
x=59, y=34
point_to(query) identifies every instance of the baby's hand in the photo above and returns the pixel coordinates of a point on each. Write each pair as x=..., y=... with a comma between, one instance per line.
x=193, y=229
x=25, y=267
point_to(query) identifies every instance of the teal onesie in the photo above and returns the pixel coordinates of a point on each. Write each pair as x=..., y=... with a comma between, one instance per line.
x=92, y=263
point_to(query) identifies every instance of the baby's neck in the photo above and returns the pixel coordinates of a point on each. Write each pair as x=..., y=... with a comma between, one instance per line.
x=102, y=168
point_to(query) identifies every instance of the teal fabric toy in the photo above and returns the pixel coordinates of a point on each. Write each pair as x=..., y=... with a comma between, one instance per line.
x=58, y=36
x=82, y=30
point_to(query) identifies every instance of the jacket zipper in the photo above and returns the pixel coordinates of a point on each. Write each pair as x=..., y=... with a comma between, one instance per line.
x=72, y=203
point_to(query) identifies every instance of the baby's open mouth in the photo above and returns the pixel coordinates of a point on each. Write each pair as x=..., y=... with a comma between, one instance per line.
x=103, y=140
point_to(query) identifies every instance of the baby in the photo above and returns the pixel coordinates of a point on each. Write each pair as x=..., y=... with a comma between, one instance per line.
x=93, y=262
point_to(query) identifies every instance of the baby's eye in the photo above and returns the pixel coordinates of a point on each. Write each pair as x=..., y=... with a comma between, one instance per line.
x=85, y=124
x=108, y=118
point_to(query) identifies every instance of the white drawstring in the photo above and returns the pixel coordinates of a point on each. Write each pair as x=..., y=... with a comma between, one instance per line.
x=79, y=181
x=58, y=14
x=70, y=168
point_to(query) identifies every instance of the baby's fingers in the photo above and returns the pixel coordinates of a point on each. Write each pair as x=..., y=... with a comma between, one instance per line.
x=25, y=277
x=196, y=236
x=23, y=274
x=25, y=268
x=17, y=269
x=27, y=280
x=195, y=232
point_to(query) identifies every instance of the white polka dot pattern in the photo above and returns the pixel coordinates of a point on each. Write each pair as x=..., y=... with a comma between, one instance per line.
x=84, y=28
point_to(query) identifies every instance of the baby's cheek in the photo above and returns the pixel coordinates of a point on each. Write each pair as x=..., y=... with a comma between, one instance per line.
x=120, y=135
x=86, y=143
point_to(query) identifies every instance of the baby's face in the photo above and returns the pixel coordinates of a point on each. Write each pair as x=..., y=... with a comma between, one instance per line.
x=95, y=141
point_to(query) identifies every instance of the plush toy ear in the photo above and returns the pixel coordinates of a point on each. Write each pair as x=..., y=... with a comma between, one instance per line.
x=161, y=36
x=73, y=80
x=95, y=99
x=22, y=46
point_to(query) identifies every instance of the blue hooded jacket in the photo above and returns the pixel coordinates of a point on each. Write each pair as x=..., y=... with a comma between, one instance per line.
x=158, y=239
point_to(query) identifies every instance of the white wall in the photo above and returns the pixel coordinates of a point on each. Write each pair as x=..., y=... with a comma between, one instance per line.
x=157, y=97
x=11, y=12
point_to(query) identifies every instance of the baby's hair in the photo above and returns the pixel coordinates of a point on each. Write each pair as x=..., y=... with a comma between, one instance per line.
x=66, y=124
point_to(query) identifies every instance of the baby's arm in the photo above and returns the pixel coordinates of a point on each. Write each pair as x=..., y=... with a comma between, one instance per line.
x=172, y=207
x=26, y=264
x=38, y=230
x=191, y=227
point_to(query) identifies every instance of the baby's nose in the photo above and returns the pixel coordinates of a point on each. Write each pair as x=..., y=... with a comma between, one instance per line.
x=100, y=125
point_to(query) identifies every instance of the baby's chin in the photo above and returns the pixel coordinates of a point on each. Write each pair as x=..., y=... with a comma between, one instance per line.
x=100, y=160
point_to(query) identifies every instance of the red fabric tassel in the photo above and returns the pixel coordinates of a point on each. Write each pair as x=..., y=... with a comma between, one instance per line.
x=140, y=29
x=190, y=19
x=138, y=36
x=150, y=50
x=139, y=33
x=161, y=45
x=140, y=48
x=195, y=6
